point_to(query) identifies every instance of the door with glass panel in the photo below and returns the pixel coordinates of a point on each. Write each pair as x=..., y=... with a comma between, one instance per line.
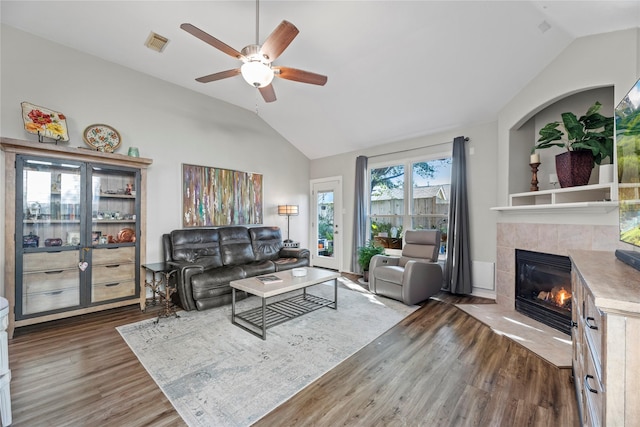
x=326, y=226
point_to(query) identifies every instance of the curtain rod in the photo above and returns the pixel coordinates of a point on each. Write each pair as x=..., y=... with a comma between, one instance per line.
x=466, y=138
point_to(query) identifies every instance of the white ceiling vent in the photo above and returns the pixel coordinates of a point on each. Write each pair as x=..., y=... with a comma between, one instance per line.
x=156, y=42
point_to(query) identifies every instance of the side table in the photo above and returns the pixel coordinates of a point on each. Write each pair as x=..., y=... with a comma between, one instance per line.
x=164, y=270
x=154, y=284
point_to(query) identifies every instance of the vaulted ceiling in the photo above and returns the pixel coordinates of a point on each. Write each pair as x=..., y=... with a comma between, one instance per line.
x=396, y=69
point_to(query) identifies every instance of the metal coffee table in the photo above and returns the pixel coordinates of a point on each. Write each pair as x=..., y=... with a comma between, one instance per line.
x=257, y=320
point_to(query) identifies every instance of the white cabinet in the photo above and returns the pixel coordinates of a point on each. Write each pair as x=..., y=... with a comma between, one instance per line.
x=5, y=372
x=606, y=339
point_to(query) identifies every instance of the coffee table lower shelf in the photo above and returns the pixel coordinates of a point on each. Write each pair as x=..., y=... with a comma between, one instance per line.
x=272, y=314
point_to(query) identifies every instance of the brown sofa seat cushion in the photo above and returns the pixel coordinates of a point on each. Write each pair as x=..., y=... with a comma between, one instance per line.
x=257, y=268
x=215, y=282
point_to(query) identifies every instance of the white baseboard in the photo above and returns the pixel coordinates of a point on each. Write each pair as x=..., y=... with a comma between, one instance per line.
x=483, y=293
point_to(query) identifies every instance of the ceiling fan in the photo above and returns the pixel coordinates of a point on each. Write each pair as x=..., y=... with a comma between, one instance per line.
x=257, y=68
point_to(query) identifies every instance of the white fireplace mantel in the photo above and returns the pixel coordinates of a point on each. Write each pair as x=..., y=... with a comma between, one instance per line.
x=568, y=208
x=596, y=198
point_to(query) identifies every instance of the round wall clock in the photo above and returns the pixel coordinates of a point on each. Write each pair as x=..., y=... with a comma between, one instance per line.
x=102, y=137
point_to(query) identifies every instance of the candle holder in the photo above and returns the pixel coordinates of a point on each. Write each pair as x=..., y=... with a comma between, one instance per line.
x=534, y=176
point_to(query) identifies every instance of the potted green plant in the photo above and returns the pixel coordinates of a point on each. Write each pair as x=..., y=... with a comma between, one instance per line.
x=588, y=141
x=387, y=235
x=365, y=253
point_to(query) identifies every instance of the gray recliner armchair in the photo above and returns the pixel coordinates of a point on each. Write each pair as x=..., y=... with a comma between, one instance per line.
x=413, y=277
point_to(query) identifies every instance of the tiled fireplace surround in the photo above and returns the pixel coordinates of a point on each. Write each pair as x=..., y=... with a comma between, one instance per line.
x=558, y=239
x=547, y=238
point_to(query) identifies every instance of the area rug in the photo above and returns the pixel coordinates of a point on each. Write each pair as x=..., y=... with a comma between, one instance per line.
x=216, y=374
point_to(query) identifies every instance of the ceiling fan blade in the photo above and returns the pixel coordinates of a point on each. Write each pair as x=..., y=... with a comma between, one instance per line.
x=300, y=76
x=209, y=39
x=218, y=76
x=278, y=40
x=268, y=93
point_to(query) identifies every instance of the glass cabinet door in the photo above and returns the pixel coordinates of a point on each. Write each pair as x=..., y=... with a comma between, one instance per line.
x=49, y=208
x=80, y=225
x=113, y=232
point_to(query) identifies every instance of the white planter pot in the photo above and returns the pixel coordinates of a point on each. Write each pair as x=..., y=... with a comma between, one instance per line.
x=606, y=174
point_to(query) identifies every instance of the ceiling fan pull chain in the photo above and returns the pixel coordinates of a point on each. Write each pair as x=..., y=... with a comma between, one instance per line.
x=257, y=114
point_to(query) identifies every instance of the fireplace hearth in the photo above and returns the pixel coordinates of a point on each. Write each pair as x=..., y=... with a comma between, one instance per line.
x=543, y=288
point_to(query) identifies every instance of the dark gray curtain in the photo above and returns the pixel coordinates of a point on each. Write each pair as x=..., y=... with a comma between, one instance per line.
x=458, y=269
x=359, y=211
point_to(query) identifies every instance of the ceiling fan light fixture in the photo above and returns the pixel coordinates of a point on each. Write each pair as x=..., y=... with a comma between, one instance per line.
x=256, y=60
x=257, y=73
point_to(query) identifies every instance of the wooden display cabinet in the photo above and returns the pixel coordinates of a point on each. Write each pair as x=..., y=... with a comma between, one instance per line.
x=75, y=223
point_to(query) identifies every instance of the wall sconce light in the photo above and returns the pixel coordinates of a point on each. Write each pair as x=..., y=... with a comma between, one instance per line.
x=288, y=211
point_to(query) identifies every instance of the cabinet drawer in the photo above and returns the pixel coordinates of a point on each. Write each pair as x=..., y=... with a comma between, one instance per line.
x=114, y=289
x=594, y=324
x=44, y=261
x=113, y=273
x=48, y=281
x=52, y=300
x=115, y=255
x=592, y=390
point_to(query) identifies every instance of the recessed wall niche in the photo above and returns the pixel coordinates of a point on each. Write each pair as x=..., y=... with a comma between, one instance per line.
x=523, y=137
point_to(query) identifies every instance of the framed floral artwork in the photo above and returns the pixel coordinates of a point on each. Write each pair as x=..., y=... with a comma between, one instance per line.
x=44, y=122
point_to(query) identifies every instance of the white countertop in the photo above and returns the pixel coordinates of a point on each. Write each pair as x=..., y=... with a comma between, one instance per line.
x=615, y=285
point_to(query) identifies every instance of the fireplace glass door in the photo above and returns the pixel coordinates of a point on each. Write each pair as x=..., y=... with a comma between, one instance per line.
x=543, y=288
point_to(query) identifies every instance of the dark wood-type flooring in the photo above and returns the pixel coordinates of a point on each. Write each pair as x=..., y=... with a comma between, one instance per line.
x=438, y=367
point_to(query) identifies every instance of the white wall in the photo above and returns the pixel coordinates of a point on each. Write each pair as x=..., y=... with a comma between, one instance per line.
x=169, y=124
x=172, y=125
x=592, y=68
x=578, y=103
x=482, y=175
x=617, y=63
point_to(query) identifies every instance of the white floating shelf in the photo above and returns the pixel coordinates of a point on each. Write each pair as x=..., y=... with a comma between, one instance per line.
x=597, y=198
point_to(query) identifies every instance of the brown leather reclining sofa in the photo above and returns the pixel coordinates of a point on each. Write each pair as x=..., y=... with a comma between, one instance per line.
x=207, y=259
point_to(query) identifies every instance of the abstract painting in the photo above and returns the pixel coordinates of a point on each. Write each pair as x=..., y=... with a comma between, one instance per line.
x=213, y=196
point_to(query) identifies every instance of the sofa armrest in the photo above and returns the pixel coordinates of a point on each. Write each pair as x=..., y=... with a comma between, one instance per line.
x=379, y=261
x=420, y=281
x=294, y=253
x=184, y=272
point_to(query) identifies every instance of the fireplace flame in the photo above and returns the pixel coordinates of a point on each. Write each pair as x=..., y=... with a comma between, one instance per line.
x=561, y=296
x=557, y=296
